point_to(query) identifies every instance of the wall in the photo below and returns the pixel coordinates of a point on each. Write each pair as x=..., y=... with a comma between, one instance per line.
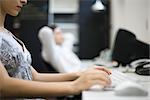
x=61, y=6
x=131, y=15
x=149, y=21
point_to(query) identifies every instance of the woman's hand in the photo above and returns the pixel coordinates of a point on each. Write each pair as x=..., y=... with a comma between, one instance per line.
x=91, y=76
x=79, y=73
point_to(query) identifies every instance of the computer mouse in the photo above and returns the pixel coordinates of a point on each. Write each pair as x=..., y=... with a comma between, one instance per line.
x=129, y=88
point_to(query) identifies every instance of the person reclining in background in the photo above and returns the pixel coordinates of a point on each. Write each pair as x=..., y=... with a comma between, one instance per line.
x=57, y=49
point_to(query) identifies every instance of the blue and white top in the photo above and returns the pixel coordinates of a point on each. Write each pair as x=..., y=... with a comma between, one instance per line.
x=14, y=56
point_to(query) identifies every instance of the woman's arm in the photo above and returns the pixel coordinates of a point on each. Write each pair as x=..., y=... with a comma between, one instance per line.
x=12, y=87
x=49, y=52
x=54, y=77
x=62, y=76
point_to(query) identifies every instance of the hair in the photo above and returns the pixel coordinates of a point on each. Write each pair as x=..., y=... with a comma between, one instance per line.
x=53, y=26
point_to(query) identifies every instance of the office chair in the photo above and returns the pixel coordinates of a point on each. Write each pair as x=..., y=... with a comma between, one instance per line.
x=127, y=48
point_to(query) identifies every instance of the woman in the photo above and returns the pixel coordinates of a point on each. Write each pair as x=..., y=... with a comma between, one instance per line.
x=18, y=77
x=57, y=49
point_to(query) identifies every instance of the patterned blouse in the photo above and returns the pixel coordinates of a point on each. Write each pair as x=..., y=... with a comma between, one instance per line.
x=14, y=56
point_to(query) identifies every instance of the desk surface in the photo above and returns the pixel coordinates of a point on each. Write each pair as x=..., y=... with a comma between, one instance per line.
x=109, y=95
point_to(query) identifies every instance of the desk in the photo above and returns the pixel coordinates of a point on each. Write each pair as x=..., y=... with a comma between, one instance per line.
x=109, y=95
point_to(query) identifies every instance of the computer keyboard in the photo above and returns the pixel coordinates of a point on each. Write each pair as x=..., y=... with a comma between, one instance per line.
x=117, y=78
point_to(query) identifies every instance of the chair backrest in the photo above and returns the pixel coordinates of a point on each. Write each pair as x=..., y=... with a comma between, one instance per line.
x=127, y=48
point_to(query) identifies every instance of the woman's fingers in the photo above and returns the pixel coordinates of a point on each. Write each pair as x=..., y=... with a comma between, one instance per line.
x=103, y=69
x=100, y=83
x=102, y=76
x=93, y=76
x=99, y=74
